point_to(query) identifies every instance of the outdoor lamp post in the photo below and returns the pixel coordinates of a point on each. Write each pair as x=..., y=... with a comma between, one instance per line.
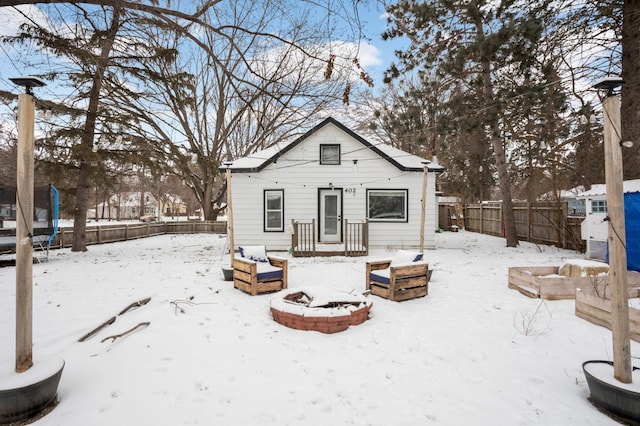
x=614, y=394
x=616, y=230
x=24, y=223
x=33, y=389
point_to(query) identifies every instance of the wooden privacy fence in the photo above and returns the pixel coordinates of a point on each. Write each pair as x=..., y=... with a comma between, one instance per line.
x=541, y=222
x=99, y=234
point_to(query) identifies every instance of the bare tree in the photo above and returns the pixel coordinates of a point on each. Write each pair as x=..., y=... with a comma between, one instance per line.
x=254, y=92
x=153, y=98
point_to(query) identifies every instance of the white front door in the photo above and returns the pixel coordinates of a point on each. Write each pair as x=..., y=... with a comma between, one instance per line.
x=330, y=215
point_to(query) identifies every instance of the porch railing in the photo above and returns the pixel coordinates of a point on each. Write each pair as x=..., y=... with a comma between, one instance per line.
x=303, y=238
x=355, y=236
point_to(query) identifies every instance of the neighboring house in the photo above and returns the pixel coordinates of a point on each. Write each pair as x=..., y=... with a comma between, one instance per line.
x=575, y=206
x=595, y=227
x=127, y=206
x=331, y=175
x=172, y=205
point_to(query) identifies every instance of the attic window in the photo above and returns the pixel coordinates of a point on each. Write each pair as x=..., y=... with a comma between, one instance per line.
x=330, y=154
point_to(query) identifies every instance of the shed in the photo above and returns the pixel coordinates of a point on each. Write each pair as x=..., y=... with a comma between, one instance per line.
x=326, y=178
x=594, y=226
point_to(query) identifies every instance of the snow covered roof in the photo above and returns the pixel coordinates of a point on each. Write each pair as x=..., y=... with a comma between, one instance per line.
x=399, y=158
x=564, y=193
x=628, y=186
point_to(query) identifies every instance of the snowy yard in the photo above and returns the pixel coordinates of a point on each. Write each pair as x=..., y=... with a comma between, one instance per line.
x=472, y=352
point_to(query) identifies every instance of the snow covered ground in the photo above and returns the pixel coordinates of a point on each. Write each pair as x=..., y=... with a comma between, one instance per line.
x=472, y=352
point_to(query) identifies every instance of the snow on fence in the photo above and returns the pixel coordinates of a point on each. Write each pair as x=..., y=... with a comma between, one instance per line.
x=99, y=234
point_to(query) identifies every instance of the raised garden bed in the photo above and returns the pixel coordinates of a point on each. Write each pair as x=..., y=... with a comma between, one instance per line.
x=326, y=311
x=597, y=310
x=560, y=282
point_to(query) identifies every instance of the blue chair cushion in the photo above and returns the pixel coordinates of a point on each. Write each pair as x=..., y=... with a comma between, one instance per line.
x=381, y=276
x=265, y=271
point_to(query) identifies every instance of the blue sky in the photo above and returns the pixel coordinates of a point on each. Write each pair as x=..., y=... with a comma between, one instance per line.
x=378, y=59
x=375, y=55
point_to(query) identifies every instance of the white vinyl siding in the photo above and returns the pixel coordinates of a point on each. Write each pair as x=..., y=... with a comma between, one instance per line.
x=299, y=173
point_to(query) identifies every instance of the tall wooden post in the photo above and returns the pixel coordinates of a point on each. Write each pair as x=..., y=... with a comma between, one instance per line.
x=617, y=240
x=24, y=232
x=230, y=214
x=424, y=204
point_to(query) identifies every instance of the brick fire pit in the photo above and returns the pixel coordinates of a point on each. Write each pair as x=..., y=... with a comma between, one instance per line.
x=323, y=310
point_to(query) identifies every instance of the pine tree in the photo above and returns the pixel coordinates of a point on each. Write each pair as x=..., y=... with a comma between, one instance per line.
x=471, y=44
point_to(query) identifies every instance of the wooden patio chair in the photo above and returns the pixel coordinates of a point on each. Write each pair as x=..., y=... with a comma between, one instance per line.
x=255, y=272
x=404, y=277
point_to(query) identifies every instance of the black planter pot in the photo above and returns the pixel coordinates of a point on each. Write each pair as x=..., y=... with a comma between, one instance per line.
x=619, y=401
x=227, y=271
x=30, y=399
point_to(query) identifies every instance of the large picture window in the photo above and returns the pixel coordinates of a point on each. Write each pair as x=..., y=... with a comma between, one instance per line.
x=330, y=154
x=387, y=205
x=274, y=210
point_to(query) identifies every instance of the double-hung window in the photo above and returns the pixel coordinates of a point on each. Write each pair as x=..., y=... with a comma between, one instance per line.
x=274, y=210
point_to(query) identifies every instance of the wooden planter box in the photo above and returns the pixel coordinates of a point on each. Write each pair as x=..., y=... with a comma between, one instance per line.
x=544, y=282
x=597, y=310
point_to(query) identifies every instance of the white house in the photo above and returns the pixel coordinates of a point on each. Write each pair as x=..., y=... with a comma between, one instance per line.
x=126, y=206
x=331, y=175
x=594, y=228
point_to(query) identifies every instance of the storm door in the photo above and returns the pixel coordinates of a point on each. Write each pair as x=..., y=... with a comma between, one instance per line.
x=330, y=217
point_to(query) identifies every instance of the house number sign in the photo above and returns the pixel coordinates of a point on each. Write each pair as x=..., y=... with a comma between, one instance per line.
x=351, y=191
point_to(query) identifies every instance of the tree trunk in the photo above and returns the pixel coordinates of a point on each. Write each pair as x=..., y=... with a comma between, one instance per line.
x=504, y=181
x=84, y=176
x=631, y=76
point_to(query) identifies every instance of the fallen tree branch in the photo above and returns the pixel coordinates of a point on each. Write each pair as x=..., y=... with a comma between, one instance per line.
x=131, y=330
x=111, y=320
x=98, y=328
x=135, y=305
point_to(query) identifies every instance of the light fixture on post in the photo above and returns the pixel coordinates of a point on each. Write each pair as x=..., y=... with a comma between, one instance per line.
x=627, y=403
x=35, y=392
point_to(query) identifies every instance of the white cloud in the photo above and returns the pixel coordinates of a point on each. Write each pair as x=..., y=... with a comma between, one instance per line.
x=369, y=55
